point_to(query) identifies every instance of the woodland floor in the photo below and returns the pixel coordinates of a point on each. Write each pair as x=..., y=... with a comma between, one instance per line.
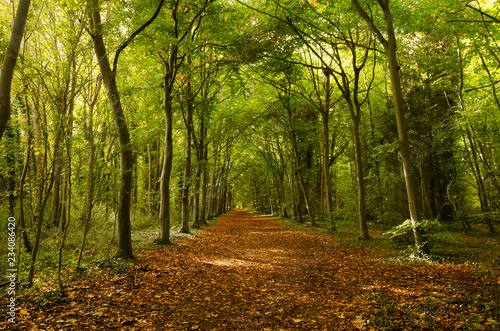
x=248, y=272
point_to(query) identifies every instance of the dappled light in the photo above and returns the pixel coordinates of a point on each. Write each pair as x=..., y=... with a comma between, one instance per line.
x=237, y=263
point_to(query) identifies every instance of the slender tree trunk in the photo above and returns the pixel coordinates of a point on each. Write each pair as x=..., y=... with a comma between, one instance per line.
x=305, y=193
x=156, y=176
x=493, y=90
x=213, y=182
x=327, y=183
x=22, y=221
x=196, y=194
x=380, y=199
x=204, y=174
x=427, y=207
x=68, y=218
x=302, y=185
x=150, y=181
x=409, y=173
x=9, y=62
x=485, y=160
x=269, y=196
x=90, y=180
x=186, y=178
x=166, y=169
x=472, y=151
x=39, y=165
x=42, y=202
x=203, y=196
x=200, y=163
x=59, y=163
x=223, y=189
x=11, y=162
x=299, y=197
x=363, y=225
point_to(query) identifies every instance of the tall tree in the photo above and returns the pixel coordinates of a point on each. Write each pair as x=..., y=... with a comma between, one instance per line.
x=108, y=74
x=9, y=62
x=172, y=59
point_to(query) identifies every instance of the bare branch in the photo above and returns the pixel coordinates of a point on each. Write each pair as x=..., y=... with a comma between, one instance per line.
x=481, y=87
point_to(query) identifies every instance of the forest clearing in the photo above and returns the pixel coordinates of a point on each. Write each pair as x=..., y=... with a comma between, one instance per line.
x=251, y=272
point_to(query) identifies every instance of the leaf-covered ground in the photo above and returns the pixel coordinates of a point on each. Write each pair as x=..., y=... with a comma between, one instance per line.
x=249, y=273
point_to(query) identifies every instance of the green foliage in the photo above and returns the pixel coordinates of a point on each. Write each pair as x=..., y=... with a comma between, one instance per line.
x=427, y=226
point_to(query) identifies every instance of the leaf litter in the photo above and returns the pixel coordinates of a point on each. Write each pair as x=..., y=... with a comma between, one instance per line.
x=246, y=272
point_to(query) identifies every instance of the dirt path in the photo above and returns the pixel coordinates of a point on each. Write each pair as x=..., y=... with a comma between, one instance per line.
x=248, y=273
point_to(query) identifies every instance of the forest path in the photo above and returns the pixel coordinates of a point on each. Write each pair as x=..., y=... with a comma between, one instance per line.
x=246, y=272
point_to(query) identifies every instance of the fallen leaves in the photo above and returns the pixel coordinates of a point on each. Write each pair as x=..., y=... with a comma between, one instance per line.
x=248, y=273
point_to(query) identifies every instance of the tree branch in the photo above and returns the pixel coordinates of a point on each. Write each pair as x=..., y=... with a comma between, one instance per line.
x=481, y=87
x=134, y=34
x=472, y=21
x=495, y=20
x=371, y=23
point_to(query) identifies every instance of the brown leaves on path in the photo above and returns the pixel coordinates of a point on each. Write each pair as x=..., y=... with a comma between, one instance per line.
x=248, y=273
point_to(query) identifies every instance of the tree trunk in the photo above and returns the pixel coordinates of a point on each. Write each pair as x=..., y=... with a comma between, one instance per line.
x=186, y=178
x=204, y=176
x=9, y=62
x=196, y=193
x=158, y=163
x=269, y=196
x=90, y=181
x=472, y=150
x=397, y=96
x=380, y=199
x=327, y=183
x=59, y=163
x=363, y=226
x=43, y=197
x=203, y=197
x=150, y=181
x=309, y=206
x=196, y=196
x=213, y=181
x=22, y=222
x=68, y=218
x=126, y=154
x=166, y=169
x=198, y=181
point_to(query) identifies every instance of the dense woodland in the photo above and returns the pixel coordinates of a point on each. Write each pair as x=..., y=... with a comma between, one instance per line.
x=128, y=115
